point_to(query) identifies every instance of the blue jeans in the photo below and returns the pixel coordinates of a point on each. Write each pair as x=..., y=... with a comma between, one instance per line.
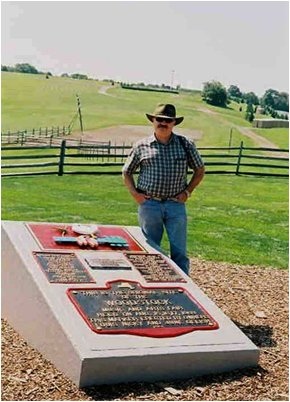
x=154, y=216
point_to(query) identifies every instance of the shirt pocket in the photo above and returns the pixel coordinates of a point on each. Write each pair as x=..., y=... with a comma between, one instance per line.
x=180, y=165
x=180, y=160
x=147, y=161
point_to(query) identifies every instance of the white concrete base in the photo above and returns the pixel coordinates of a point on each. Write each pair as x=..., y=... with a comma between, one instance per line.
x=45, y=317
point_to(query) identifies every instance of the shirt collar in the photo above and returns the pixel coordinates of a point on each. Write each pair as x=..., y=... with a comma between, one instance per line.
x=152, y=138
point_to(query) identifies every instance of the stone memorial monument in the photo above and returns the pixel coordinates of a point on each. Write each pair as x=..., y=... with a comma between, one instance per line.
x=105, y=307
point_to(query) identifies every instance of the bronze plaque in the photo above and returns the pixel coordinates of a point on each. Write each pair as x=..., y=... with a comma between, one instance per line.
x=108, y=263
x=63, y=268
x=129, y=308
x=154, y=268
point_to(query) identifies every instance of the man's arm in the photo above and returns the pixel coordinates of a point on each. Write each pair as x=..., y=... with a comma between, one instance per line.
x=196, y=179
x=130, y=184
x=194, y=182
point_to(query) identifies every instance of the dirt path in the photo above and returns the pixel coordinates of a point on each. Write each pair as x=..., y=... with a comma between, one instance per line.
x=128, y=134
x=261, y=141
x=103, y=90
x=120, y=135
x=258, y=139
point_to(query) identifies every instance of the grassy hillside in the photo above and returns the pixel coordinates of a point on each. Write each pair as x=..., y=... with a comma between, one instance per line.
x=31, y=101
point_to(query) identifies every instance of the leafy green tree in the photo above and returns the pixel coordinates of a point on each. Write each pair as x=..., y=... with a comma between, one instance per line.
x=252, y=98
x=234, y=92
x=215, y=93
x=275, y=100
x=78, y=76
x=283, y=102
x=269, y=98
x=250, y=112
x=25, y=68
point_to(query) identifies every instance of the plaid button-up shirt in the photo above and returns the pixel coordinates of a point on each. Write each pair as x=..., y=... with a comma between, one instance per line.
x=163, y=167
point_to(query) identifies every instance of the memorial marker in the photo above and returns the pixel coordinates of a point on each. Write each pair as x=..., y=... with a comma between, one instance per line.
x=113, y=316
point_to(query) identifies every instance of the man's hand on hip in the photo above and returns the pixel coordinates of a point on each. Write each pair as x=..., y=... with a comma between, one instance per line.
x=182, y=197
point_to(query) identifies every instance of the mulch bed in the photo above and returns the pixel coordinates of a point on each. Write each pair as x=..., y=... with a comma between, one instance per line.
x=255, y=298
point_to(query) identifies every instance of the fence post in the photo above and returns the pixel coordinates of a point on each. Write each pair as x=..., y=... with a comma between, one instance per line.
x=61, y=158
x=239, y=158
x=230, y=139
x=123, y=152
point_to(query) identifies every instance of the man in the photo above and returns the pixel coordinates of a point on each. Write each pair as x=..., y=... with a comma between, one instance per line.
x=162, y=187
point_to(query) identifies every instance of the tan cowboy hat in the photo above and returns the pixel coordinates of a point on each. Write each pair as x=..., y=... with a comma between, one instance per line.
x=166, y=111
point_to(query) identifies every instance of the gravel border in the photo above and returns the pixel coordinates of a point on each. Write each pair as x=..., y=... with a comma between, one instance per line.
x=255, y=298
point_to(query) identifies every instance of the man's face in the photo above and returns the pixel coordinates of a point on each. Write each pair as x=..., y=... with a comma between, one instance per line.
x=163, y=124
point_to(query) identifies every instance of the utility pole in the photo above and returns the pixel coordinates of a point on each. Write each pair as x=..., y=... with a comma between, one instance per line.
x=80, y=113
x=172, y=78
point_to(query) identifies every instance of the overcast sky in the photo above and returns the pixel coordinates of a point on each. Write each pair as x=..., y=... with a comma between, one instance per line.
x=188, y=43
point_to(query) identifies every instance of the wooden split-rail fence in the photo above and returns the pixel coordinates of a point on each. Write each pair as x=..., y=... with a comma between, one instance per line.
x=36, y=136
x=61, y=157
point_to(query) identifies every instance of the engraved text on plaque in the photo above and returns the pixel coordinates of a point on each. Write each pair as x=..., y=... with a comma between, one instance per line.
x=127, y=307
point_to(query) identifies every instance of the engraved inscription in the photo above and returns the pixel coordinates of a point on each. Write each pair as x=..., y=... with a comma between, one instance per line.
x=63, y=268
x=135, y=307
x=154, y=268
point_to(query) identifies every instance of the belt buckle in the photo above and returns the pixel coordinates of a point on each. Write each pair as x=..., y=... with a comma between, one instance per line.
x=160, y=199
x=152, y=197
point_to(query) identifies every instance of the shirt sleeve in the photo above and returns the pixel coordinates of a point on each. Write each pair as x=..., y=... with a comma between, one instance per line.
x=194, y=158
x=132, y=163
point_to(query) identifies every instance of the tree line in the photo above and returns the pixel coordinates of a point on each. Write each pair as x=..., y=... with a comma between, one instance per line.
x=29, y=69
x=272, y=102
x=23, y=68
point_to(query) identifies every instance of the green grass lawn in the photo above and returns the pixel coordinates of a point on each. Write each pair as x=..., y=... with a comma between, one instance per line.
x=235, y=219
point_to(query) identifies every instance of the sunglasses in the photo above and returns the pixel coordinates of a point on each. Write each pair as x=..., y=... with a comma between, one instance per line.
x=164, y=119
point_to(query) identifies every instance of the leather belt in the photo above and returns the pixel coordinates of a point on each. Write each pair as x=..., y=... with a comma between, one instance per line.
x=160, y=199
